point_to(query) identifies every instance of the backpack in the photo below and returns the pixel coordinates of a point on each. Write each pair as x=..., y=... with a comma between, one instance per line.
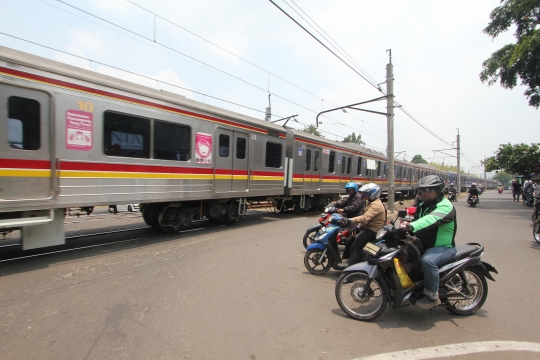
x=410, y=251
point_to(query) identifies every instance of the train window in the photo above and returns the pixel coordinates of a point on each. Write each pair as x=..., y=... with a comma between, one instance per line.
x=348, y=165
x=331, y=161
x=240, y=148
x=224, y=145
x=378, y=168
x=273, y=155
x=317, y=162
x=171, y=141
x=359, y=166
x=343, y=160
x=23, y=123
x=126, y=135
x=308, y=160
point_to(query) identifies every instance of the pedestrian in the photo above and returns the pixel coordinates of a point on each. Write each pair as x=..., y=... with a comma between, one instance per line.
x=516, y=188
x=528, y=193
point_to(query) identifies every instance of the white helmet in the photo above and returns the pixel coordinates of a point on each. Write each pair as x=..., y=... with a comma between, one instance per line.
x=372, y=190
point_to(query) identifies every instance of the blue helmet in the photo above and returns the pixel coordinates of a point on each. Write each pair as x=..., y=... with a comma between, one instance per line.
x=352, y=185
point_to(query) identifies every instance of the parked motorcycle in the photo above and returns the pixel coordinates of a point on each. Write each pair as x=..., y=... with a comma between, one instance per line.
x=364, y=289
x=452, y=196
x=324, y=220
x=321, y=255
x=473, y=201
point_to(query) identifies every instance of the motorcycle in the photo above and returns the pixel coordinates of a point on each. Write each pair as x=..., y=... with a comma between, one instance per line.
x=324, y=220
x=321, y=255
x=473, y=201
x=452, y=196
x=364, y=289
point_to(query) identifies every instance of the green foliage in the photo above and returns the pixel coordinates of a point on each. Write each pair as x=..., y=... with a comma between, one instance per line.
x=515, y=159
x=353, y=139
x=503, y=177
x=312, y=129
x=520, y=59
x=418, y=159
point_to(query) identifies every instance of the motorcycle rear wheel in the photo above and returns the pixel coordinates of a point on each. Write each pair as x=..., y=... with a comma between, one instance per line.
x=309, y=237
x=478, y=292
x=312, y=263
x=348, y=291
x=536, y=231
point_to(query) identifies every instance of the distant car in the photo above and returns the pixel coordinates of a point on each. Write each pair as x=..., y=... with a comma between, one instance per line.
x=123, y=208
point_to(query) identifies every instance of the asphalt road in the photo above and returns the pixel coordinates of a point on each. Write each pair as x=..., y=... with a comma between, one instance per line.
x=242, y=292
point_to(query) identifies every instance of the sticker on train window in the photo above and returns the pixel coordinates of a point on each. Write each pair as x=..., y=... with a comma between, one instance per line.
x=203, y=148
x=326, y=151
x=79, y=131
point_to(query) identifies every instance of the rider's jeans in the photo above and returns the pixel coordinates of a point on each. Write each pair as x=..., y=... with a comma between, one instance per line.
x=430, y=261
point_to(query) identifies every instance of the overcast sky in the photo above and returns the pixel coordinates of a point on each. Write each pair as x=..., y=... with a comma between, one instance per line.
x=238, y=50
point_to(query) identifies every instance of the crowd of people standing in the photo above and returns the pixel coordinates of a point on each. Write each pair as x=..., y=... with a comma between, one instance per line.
x=526, y=193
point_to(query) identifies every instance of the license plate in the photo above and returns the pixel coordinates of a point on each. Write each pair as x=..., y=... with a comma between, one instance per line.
x=371, y=249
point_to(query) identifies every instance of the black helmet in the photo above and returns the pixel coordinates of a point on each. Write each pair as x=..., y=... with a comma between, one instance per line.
x=431, y=181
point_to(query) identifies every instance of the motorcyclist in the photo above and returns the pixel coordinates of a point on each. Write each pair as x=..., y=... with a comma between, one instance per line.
x=473, y=190
x=435, y=225
x=352, y=205
x=500, y=188
x=452, y=188
x=371, y=221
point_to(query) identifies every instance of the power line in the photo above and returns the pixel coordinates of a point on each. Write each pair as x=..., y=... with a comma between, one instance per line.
x=327, y=48
x=198, y=61
x=329, y=39
x=131, y=72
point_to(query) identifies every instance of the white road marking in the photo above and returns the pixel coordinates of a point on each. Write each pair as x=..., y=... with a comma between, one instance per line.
x=456, y=350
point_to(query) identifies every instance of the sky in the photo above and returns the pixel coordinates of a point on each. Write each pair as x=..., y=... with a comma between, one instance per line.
x=233, y=54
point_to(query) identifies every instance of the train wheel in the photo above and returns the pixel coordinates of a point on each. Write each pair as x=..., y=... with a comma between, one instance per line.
x=151, y=214
x=232, y=216
x=170, y=220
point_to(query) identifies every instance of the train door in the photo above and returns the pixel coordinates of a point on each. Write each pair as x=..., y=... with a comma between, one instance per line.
x=312, y=169
x=25, y=148
x=231, y=173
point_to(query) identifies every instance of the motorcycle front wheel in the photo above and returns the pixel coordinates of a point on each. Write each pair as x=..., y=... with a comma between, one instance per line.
x=473, y=295
x=536, y=231
x=349, y=289
x=309, y=237
x=316, y=263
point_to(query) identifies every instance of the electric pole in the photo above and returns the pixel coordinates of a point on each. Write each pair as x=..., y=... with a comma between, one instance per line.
x=390, y=129
x=458, y=166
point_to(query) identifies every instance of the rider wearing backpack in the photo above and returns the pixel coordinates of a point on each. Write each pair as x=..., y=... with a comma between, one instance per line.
x=435, y=224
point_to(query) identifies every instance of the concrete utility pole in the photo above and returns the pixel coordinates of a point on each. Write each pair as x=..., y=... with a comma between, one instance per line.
x=390, y=130
x=458, y=166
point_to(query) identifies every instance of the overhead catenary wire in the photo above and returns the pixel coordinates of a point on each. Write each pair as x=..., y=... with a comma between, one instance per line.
x=327, y=48
x=213, y=68
x=198, y=61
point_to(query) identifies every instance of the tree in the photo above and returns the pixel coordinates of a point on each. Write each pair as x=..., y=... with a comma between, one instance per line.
x=312, y=129
x=515, y=159
x=353, y=139
x=418, y=159
x=503, y=177
x=520, y=59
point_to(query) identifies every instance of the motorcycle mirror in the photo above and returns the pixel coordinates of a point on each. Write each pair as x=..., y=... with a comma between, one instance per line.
x=402, y=213
x=401, y=203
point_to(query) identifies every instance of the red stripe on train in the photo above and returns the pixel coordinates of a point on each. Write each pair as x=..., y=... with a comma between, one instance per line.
x=123, y=97
x=25, y=164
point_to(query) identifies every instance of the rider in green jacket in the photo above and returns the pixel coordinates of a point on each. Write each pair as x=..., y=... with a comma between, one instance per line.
x=435, y=225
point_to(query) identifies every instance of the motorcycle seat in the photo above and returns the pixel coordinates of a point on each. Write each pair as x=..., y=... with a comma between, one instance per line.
x=462, y=251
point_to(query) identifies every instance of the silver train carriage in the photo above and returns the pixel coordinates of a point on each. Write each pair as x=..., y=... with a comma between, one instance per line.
x=76, y=138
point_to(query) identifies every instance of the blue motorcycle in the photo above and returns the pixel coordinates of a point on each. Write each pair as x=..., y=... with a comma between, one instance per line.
x=321, y=255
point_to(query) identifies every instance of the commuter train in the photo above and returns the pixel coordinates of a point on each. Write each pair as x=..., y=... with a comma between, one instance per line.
x=75, y=138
